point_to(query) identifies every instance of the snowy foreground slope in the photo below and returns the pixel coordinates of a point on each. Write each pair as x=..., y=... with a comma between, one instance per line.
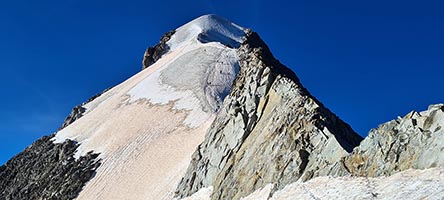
x=410, y=184
x=213, y=115
x=147, y=127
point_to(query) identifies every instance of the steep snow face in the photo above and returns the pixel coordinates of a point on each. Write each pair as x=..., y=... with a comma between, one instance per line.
x=147, y=127
x=201, y=75
x=198, y=79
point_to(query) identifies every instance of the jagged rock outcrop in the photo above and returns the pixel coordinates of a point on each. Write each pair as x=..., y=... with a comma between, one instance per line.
x=413, y=141
x=152, y=54
x=46, y=170
x=78, y=111
x=269, y=130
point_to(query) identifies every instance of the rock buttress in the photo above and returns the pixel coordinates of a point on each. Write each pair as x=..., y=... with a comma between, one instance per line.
x=269, y=130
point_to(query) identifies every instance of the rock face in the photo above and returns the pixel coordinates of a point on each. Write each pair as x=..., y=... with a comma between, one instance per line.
x=46, y=170
x=269, y=130
x=414, y=141
x=152, y=54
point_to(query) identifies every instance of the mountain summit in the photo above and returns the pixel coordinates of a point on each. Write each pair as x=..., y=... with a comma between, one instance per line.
x=214, y=115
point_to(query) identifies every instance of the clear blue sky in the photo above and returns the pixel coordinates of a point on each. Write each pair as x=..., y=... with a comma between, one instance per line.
x=368, y=61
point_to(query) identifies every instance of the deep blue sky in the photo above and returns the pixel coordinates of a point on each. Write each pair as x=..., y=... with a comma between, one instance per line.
x=368, y=61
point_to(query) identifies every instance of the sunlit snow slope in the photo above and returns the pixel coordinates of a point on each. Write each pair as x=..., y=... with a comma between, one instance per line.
x=410, y=184
x=147, y=127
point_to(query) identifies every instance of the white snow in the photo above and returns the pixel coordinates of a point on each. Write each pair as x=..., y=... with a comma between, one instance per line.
x=410, y=184
x=202, y=194
x=147, y=127
x=208, y=28
x=261, y=194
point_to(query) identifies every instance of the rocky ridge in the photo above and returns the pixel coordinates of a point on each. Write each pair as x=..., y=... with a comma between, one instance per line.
x=46, y=170
x=412, y=141
x=270, y=130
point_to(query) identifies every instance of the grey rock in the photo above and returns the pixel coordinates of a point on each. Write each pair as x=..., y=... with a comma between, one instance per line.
x=269, y=130
x=76, y=113
x=413, y=141
x=46, y=170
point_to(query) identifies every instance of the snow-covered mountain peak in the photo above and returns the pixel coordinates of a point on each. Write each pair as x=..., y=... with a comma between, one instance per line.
x=208, y=28
x=168, y=105
x=213, y=115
